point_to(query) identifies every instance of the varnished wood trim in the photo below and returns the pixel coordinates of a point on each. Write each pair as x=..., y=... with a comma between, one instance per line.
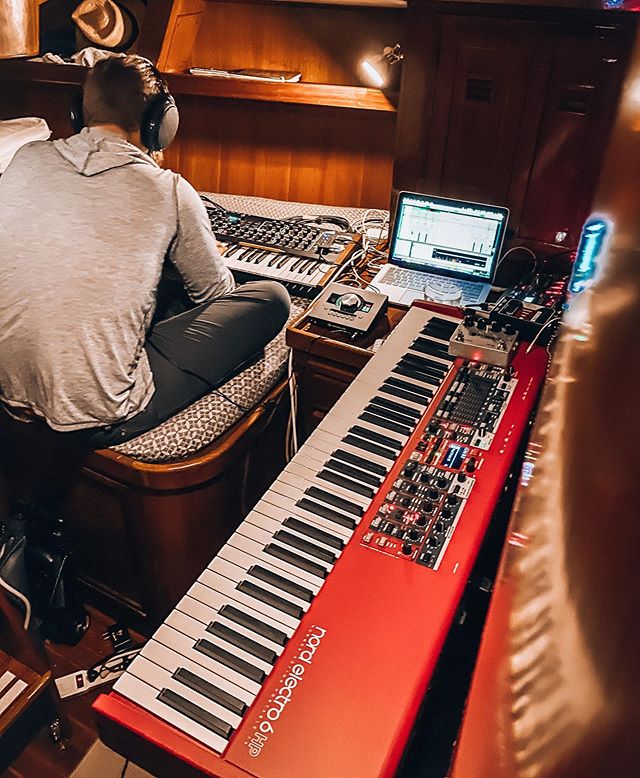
x=307, y=94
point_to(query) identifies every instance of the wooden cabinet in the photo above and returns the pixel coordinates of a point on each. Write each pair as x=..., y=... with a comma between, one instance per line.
x=514, y=111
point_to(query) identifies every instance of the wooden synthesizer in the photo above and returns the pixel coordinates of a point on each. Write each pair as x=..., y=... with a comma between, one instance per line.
x=301, y=255
x=307, y=645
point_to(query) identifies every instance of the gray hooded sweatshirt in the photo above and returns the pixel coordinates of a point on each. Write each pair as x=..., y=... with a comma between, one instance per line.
x=85, y=225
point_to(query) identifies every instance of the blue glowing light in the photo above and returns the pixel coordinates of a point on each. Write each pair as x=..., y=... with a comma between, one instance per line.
x=589, y=253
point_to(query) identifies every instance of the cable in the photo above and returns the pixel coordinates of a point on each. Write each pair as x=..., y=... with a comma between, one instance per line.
x=294, y=408
x=216, y=205
x=540, y=331
x=518, y=248
x=20, y=596
x=124, y=768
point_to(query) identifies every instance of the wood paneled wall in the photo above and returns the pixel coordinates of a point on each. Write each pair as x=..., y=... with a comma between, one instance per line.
x=324, y=43
x=290, y=152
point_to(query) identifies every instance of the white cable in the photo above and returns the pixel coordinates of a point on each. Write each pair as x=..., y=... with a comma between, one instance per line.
x=540, y=331
x=20, y=596
x=294, y=408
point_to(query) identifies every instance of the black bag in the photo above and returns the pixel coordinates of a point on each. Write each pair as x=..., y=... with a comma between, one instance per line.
x=38, y=567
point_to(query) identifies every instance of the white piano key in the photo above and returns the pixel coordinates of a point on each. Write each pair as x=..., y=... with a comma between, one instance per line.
x=302, y=477
x=193, y=629
x=251, y=540
x=276, y=511
x=226, y=587
x=160, y=679
x=216, y=600
x=341, y=425
x=206, y=615
x=236, y=573
x=171, y=661
x=12, y=694
x=244, y=560
x=329, y=442
x=295, y=494
x=147, y=697
x=271, y=525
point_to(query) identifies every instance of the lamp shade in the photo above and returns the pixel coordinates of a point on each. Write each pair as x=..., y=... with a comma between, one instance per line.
x=19, y=28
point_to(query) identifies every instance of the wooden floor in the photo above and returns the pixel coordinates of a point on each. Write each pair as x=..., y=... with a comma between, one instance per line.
x=42, y=758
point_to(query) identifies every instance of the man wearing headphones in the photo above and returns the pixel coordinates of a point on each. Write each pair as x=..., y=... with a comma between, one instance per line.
x=86, y=225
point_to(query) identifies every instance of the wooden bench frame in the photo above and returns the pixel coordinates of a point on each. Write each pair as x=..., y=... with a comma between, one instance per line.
x=143, y=532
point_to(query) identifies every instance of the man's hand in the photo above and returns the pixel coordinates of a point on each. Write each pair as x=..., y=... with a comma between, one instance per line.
x=222, y=247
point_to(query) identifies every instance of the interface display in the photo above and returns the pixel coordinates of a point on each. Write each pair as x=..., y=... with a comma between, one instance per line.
x=448, y=237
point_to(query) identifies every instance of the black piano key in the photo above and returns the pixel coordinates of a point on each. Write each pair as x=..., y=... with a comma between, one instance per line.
x=346, y=483
x=268, y=576
x=255, y=625
x=229, y=660
x=353, y=472
x=195, y=713
x=407, y=386
x=366, y=445
x=380, y=410
x=422, y=391
x=279, y=603
x=296, y=560
x=304, y=545
x=404, y=395
x=375, y=437
x=417, y=375
x=242, y=641
x=364, y=464
x=397, y=407
x=432, y=347
x=332, y=499
x=322, y=536
x=440, y=328
x=387, y=424
x=326, y=513
x=427, y=364
x=417, y=364
x=210, y=691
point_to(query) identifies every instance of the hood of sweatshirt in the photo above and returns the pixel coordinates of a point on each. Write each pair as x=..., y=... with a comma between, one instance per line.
x=93, y=151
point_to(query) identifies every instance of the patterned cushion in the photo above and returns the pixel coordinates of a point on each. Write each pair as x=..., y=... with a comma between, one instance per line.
x=207, y=419
x=210, y=417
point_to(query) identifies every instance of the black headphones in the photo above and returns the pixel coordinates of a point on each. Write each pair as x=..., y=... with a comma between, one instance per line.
x=159, y=121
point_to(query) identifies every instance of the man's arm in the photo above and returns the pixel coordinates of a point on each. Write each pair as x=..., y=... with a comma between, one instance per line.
x=194, y=251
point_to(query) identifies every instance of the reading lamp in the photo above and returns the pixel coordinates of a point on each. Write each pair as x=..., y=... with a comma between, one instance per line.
x=376, y=70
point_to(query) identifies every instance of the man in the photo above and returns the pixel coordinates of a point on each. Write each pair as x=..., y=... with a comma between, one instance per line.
x=85, y=226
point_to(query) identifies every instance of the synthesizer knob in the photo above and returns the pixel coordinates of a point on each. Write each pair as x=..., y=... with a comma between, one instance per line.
x=433, y=494
x=425, y=478
x=407, y=548
x=411, y=488
x=446, y=513
x=421, y=521
x=414, y=534
x=510, y=329
x=482, y=324
x=434, y=426
x=439, y=526
x=462, y=477
x=469, y=320
x=442, y=482
x=404, y=501
x=427, y=506
x=451, y=499
x=471, y=465
x=409, y=468
x=495, y=326
x=432, y=541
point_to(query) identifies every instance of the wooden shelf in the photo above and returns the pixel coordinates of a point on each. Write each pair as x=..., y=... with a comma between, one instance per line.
x=42, y=72
x=335, y=95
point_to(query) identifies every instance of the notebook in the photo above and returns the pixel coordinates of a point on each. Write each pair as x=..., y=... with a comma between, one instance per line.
x=441, y=249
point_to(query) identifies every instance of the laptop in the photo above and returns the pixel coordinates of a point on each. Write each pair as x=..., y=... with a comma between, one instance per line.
x=441, y=249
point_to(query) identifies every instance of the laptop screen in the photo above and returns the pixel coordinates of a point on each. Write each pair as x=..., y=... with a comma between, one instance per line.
x=447, y=237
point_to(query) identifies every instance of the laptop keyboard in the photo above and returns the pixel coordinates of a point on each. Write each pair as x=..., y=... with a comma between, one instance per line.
x=416, y=280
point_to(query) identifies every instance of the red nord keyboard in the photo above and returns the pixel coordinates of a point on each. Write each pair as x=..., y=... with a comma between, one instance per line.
x=307, y=645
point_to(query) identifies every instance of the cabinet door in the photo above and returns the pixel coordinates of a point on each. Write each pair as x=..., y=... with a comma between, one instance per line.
x=482, y=84
x=556, y=186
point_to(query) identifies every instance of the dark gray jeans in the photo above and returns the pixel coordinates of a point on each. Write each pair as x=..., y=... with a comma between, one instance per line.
x=200, y=349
